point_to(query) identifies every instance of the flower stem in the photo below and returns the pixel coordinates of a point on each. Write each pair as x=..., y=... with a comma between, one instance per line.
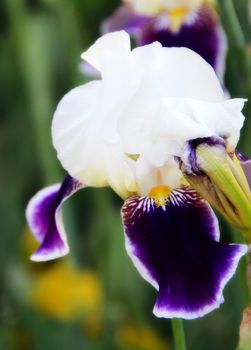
x=178, y=334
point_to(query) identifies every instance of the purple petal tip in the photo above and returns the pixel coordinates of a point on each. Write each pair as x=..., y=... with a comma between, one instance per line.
x=44, y=216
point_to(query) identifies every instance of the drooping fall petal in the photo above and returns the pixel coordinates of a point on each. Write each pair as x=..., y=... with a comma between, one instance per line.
x=175, y=247
x=44, y=216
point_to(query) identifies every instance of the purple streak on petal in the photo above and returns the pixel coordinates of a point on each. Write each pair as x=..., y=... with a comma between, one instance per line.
x=175, y=247
x=190, y=158
x=44, y=216
x=125, y=18
x=246, y=165
x=203, y=35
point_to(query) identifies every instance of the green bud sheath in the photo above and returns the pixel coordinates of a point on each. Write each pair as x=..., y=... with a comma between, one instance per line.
x=223, y=184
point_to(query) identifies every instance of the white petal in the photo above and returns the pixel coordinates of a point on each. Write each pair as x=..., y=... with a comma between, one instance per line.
x=188, y=75
x=221, y=57
x=148, y=176
x=116, y=43
x=78, y=131
x=73, y=130
x=148, y=104
x=222, y=119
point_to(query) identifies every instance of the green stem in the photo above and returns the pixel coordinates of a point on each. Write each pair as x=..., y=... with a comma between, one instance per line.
x=234, y=25
x=178, y=334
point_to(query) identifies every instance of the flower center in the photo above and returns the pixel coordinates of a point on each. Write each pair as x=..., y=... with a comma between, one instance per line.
x=178, y=12
x=160, y=195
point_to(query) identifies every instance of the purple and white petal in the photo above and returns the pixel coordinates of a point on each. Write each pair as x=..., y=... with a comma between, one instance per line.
x=44, y=217
x=200, y=32
x=246, y=165
x=175, y=248
x=203, y=35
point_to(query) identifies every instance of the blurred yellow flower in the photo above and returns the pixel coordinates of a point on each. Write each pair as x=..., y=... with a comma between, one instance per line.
x=139, y=337
x=67, y=294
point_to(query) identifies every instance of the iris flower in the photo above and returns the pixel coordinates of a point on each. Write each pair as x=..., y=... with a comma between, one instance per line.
x=158, y=130
x=174, y=23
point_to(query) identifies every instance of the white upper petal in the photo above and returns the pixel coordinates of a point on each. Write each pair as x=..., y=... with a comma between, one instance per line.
x=149, y=102
x=188, y=75
x=112, y=44
x=77, y=131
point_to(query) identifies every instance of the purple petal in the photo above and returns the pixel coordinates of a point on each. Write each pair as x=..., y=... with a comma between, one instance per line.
x=175, y=247
x=44, y=217
x=246, y=165
x=125, y=18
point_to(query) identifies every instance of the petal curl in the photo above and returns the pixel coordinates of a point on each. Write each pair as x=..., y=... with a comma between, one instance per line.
x=117, y=43
x=44, y=217
x=175, y=248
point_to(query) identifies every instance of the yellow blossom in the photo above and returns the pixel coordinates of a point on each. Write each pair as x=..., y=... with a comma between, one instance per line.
x=66, y=293
x=140, y=337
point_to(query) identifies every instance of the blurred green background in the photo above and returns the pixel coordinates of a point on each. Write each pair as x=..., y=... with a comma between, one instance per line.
x=94, y=298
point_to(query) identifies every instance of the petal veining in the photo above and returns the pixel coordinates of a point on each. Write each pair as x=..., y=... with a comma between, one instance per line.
x=175, y=247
